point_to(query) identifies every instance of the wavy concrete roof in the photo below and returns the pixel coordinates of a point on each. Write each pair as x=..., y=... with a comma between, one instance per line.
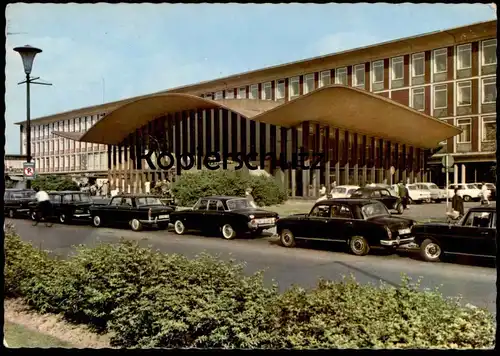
x=336, y=105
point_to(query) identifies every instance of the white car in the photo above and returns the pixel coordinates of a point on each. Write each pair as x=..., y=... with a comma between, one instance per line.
x=468, y=191
x=417, y=194
x=342, y=191
x=437, y=195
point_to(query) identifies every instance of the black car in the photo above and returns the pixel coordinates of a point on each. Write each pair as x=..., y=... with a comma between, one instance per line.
x=359, y=223
x=136, y=211
x=229, y=215
x=16, y=202
x=474, y=235
x=381, y=194
x=67, y=206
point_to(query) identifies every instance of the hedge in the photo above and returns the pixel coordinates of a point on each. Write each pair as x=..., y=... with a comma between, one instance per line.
x=53, y=182
x=145, y=298
x=192, y=185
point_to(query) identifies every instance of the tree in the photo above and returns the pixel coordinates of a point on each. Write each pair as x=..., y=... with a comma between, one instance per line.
x=54, y=182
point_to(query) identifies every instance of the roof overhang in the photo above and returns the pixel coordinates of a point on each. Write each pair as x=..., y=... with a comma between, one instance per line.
x=339, y=106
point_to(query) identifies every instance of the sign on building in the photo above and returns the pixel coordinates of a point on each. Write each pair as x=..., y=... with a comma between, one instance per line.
x=29, y=170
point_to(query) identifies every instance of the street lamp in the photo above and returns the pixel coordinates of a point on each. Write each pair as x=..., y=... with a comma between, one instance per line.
x=28, y=54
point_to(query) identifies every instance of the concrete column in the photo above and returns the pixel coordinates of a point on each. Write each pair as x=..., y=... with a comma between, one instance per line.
x=455, y=174
x=346, y=174
x=294, y=184
x=337, y=173
x=305, y=183
x=372, y=175
x=327, y=176
x=356, y=175
x=364, y=174
x=463, y=173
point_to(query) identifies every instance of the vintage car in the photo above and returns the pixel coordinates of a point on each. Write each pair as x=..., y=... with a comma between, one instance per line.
x=231, y=216
x=467, y=191
x=67, y=206
x=437, y=194
x=136, y=211
x=474, y=235
x=359, y=223
x=381, y=194
x=418, y=194
x=16, y=202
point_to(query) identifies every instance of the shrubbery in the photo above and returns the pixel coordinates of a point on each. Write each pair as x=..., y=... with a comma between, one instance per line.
x=149, y=299
x=54, y=182
x=192, y=185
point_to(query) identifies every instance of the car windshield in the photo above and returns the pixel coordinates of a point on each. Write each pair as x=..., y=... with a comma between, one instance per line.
x=490, y=186
x=350, y=191
x=235, y=204
x=412, y=187
x=433, y=186
x=148, y=201
x=423, y=187
x=23, y=194
x=338, y=190
x=81, y=197
x=374, y=209
x=471, y=186
x=357, y=193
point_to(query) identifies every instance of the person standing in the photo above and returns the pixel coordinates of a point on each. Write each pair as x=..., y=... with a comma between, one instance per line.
x=322, y=190
x=44, y=206
x=457, y=206
x=402, y=191
x=249, y=197
x=485, y=194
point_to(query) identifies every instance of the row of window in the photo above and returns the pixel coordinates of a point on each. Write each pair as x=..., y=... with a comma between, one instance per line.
x=62, y=144
x=79, y=124
x=464, y=94
x=439, y=59
x=97, y=161
x=488, y=129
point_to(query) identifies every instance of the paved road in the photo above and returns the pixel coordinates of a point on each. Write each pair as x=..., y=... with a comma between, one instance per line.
x=302, y=266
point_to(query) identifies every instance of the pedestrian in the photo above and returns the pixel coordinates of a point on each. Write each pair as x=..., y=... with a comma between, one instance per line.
x=249, y=197
x=457, y=206
x=322, y=190
x=485, y=194
x=402, y=191
x=44, y=206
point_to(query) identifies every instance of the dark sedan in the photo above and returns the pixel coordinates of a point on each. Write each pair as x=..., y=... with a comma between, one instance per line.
x=229, y=215
x=359, y=223
x=67, y=206
x=16, y=202
x=474, y=235
x=381, y=194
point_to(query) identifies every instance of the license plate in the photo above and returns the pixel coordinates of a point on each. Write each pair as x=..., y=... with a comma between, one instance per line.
x=265, y=221
x=163, y=216
x=404, y=231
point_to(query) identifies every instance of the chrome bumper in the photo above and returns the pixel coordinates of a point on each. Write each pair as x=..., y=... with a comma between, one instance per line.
x=79, y=216
x=397, y=242
x=154, y=222
x=261, y=226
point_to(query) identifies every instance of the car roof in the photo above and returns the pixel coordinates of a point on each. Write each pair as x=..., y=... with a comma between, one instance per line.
x=130, y=195
x=66, y=192
x=222, y=197
x=484, y=208
x=348, y=201
x=347, y=186
x=18, y=190
x=373, y=188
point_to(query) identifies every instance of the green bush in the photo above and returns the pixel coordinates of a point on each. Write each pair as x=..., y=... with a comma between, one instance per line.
x=150, y=299
x=192, y=185
x=54, y=182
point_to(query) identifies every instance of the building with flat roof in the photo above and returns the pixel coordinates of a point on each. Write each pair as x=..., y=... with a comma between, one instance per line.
x=447, y=75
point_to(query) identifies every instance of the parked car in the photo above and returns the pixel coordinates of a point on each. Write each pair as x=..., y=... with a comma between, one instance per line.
x=67, y=206
x=467, y=191
x=383, y=195
x=341, y=191
x=437, y=194
x=418, y=194
x=359, y=223
x=231, y=216
x=16, y=202
x=491, y=187
x=136, y=211
x=474, y=235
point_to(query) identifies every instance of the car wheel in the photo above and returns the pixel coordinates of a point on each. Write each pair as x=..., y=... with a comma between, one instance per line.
x=33, y=215
x=63, y=219
x=11, y=213
x=359, y=246
x=430, y=251
x=96, y=221
x=179, y=227
x=135, y=225
x=228, y=232
x=400, y=208
x=467, y=198
x=428, y=200
x=287, y=239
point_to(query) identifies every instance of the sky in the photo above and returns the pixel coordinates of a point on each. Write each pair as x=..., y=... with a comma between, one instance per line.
x=97, y=53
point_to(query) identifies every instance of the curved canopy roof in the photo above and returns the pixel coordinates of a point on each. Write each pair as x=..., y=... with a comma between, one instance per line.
x=336, y=105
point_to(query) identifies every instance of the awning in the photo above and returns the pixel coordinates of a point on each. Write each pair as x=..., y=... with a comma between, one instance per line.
x=336, y=105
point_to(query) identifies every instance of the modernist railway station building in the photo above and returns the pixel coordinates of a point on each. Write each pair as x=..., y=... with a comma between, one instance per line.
x=400, y=104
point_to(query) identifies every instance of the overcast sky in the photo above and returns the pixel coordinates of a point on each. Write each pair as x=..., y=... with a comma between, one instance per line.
x=101, y=52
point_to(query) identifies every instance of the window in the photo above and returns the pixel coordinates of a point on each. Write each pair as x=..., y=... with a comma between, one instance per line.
x=441, y=96
x=378, y=72
x=489, y=51
x=418, y=99
x=489, y=128
x=397, y=68
x=341, y=76
x=308, y=83
x=280, y=89
x=465, y=126
x=341, y=211
x=489, y=90
x=464, y=56
x=464, y=93
x=441, y=60
x=230, y=94
x=267, y=91
x=359, y=75
x=254, y=91
x=242, y=93
x=294, y=87
x=418, y=64
x=218, y=95
x=320, y=211
x=209, y=96
x=478, y=219
x=201, y=204
x=325, y=78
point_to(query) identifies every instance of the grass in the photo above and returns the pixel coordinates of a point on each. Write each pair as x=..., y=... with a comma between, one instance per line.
x=19, y=336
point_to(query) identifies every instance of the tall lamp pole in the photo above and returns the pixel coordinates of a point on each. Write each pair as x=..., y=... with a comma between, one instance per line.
x=28, y=54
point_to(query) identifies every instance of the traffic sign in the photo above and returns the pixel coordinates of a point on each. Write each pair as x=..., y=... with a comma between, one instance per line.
x=450, y=170
x=392, y=170
x=447, y=161
x=29, y=170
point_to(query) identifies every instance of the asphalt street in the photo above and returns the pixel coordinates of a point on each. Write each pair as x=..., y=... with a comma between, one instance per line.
x=473, y=279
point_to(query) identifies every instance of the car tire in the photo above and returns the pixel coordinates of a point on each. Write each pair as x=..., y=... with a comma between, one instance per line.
x=428, y=200
x=33, y=215
x=96, y=221
x=467, y=198
x=228, y=232
x=359, y=246
x=135, y=225
x=63, y=219
x=430, y=251
x=400, y=209
x=11, y=213
x=287, y=239
x=179, y=227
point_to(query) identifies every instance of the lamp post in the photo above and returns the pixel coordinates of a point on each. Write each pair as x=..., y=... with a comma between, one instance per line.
x=28, y=54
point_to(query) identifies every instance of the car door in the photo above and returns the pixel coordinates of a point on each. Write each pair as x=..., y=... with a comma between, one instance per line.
x=56, y=201
x=340, y=224
x=387, y=198
x=315, y=225
x=476, y=234
x=110, y=212
x=196, y=218
x=125, y=211
x=212, y=217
